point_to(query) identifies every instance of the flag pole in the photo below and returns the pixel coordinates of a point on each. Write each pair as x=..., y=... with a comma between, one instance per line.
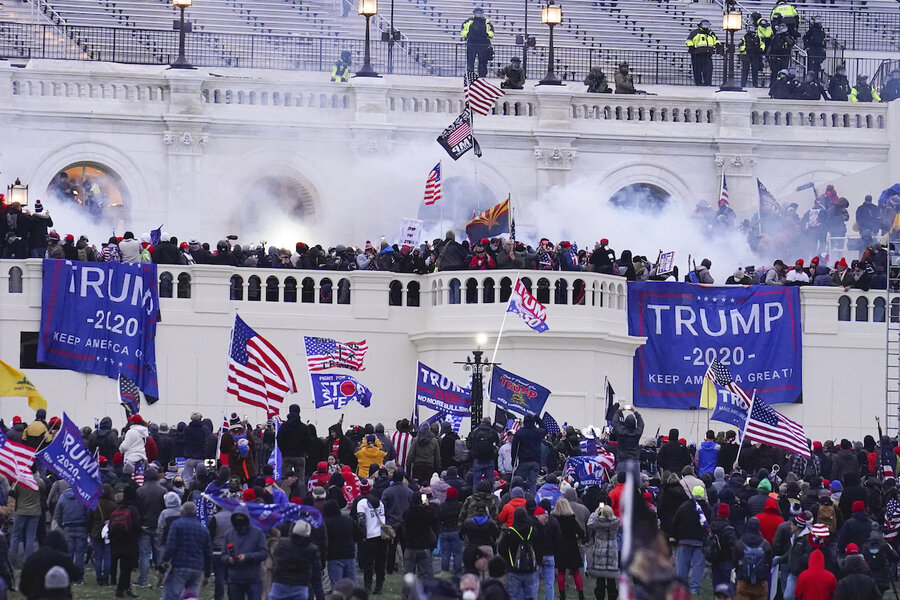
x=743, y=433
x=503, y=324
x=225, y=396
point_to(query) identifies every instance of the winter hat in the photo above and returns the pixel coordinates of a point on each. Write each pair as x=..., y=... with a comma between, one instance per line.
x=270, y=481
x=820, y=530
x=836, y=486
x=195, y=416
x=136, y=419
x=318, y=492
x=57, y=578
x=851, y=549
x=817, y=445
x=723, y=511
x=118, y=458
x=164, y=428
x=517, y=492
x=301, y=528
x=699, y=491
x=248, y=495
x=539, y=511
x=365, y=487
x=16, y=420
x=858, y=506
x=799, y=520
x=815, y=261
x=452, y=492
x=842, y=262
x=764, y=486
x=604, y=242
x=799, y=262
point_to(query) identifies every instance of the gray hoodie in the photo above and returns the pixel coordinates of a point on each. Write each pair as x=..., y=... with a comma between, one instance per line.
x=171, y=512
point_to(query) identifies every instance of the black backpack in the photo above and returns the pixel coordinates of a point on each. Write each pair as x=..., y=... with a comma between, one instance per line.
x=525, y=560
x=712, y=547
x=483, y=446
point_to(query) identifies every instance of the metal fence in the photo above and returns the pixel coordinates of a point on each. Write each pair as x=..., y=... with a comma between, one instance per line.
x=442, y=59
x=860, y=29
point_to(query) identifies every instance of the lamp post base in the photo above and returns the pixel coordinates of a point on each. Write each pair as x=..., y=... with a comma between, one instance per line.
x=730, y=86
x=367, y=71
x=181, y=63
x=551, y=79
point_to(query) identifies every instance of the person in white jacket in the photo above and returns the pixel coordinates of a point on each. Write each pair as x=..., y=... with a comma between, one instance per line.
x=132, y=446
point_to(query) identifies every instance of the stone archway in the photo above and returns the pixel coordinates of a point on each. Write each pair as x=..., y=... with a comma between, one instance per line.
x=641, y=196
x=94, y=189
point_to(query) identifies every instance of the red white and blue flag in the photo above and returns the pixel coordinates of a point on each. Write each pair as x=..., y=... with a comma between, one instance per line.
x=129, y=396
x=258, y=374
x=326, y=353
x=16, y=461
x=768, y=426
x=526, y=306
x=433, y=191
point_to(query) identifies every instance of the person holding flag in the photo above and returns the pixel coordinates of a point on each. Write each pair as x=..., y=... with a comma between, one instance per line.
x=626, y=430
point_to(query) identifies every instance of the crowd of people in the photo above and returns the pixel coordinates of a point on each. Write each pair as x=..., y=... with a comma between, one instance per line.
x=497, y=514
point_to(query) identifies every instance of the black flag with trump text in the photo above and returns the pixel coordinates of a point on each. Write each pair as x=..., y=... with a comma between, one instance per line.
x=457, y=139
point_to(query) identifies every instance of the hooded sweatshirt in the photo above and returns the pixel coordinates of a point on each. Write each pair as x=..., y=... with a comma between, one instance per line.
x=247, y=540
x=425, y=452
x=171, y=512
x=815, y=583
x=707, y=457
x=132, y=447
x=769, y=520
x=718, y=479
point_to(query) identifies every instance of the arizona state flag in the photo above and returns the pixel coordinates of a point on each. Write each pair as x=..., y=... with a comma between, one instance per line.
x=14, y=383
x=490, y=223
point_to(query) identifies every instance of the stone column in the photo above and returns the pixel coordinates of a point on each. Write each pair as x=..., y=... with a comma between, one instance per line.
x=735, y=150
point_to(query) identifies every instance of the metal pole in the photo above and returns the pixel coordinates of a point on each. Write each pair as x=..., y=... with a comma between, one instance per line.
x=525, y=44
x=477, y=388
x=367, y=70
x=181, y=62
x=390, y=56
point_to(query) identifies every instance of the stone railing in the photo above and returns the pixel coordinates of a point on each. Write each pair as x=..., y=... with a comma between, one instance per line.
x=848, y=115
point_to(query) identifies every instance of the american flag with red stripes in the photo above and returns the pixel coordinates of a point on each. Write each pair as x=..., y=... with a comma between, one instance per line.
x=16, y=461
x=768, y=426
x=326, y=353
x=723, y=197
x=402, y=442
x=258, y=374
x=480, y=94
x=463, y=130
x=433, y=191
x=720, y=374
x=138, y=475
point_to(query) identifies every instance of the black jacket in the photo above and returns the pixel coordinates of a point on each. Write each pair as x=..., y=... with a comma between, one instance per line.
x=420, y=527
x=673, y=456
x=294, y=558
x=342, y=534
x=293, y=437
x=628, y=439
x=686, y=524
x=194, y=440
x=448, y=513
x=31, y=580
x=526, y=444
x=856, y=530
x=727, y=539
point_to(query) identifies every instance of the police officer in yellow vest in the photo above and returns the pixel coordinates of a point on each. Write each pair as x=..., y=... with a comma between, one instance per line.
x=863, y=92
x=752, y=50
x=702, y=43
x=478, y=32
x=787, y=14
x=341, y=69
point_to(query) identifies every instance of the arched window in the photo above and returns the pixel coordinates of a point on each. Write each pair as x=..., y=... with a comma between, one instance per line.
x=271, y=289
x=290, y=289
x=526, y=281
x=862, y=309
x=505, y=289
x=184, y=285
x=487, y=293
x=578, y=292
x=308, y=290
x=878, y=310
x=454, y=288
x=471, y=291
x=895, y=310
x=237, y=287
x=343, y=291
x=395, y=293
x=644, y=196
x=325, y=291
x=254, y=288
x=412, y=293
x=93, y=189
x=562, y=291
x=543, y=290
x=15, y=280
x=165, y=285
x=844, y=308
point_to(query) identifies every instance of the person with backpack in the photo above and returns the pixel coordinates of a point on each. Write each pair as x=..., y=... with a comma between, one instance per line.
x=516, y=547
x=450, y=445
x=719, y=546
x=97, y=522
x=881, y=558
x=124, y=531
x=483, y=443
x=246, y=548
x=690, y=530
x=752, y=558
x=828, y=514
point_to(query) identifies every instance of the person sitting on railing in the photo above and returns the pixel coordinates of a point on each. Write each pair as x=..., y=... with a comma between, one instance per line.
x=863, y=92
x=341, y=69
x=812, y=88
x=512, y=75
x=814, y=42
x=891, y=89
x=839, y=85
x=596, y=82
x=752, y=49
x=625, y=80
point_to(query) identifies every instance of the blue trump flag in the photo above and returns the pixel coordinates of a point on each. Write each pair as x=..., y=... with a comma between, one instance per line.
x=68, y=458
x=516, y=394
x=267, y=516
x=731, y=408
x=438, y=392
x=275, y=458
x=101, y=318
x=337, y=391
x=754, y=331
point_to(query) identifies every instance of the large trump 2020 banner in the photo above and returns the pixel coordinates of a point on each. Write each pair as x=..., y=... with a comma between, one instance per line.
x=753, y=331
x=101, y=318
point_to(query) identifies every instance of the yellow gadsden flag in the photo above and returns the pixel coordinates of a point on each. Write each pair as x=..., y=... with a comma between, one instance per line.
x=14, y=383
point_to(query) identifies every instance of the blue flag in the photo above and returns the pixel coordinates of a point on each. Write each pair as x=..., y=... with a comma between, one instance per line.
x=206, y=507
x=731, y=408
x=68, y=458
x=589, y=470
x=438, y=392
x=156, y=236
x=337, y=391
x=516, y=394
x=275, y=459
x=550, y=424
x=267, y=516
x=101, y=318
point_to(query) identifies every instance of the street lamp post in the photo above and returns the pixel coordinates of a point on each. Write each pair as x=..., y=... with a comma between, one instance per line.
x=368, y=9
x=17, y=193
x=183, y=27
x=478, y=366
x=551, y=15
x=731, y=22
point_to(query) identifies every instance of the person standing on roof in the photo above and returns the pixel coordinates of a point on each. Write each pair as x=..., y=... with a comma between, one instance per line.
x=478, y=31
x=787, y=14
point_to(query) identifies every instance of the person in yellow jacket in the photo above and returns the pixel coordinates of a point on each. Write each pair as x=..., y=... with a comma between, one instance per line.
x=341, y=69
x=478, y=32
x=37, y=434
x=702, y=43
x=369, y=453
x=752, y=50
x=785, y=12
x=861, y=92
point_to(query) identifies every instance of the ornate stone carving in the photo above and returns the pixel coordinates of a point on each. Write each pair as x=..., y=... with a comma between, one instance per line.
x=555, y=158
x=736, y=164
x=185, y=142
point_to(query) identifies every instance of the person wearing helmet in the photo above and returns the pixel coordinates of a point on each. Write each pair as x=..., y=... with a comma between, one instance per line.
x=223, y=255
x=702, y=43
x=513, y=77
x=779, y=50
x=478, y=31
x=839, y=85
x=624, y=80
x=780, y=89
x=814, y=42
x=788, y=15
x=596, y=82
x=341, y=69
x=863, y=91
x=891, y=89
x=752, y=49
x=812, y=88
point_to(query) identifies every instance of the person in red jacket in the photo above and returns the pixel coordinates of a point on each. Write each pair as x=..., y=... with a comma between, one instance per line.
x=815, y=583
x=769, y=520
x=615, y=495
x=516, y=499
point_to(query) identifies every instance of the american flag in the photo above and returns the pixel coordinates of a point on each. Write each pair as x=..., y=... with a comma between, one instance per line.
x=718, y=373
x=16, y=461
x=463, y=131
x=512, y=426
x=257, y=372
x=401, y=440
x=480, y=94
x=433, y=186
x=138, y=475
x=723, y=197
x=326, y=353
x=550, y=424
x=767, y=426
x=129, y=395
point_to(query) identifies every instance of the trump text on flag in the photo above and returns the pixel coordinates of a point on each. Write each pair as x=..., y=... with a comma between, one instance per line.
x=438, y=392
